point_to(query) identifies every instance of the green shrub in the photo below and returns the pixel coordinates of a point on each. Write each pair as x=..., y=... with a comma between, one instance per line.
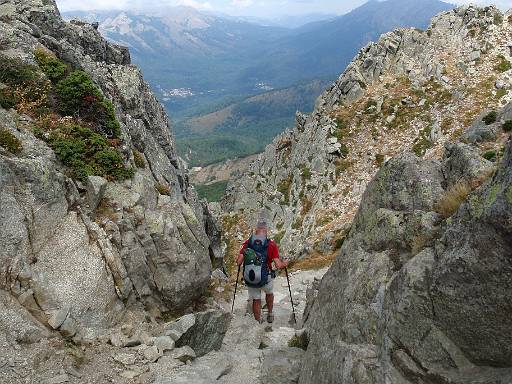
x=423, y=142
x=490, y=118
x=299, y=341
x=489, y=155
x=498, y=19
x=73, y=90
x=285, y=188
x=52, y=67
x=9, y=142
x=7, y=100
x=305, y=173
x=500, y=93
x=344, y=150
x=507, y=126
x=16, y=72
x=78, y=96
x=504, y=65
x=139, y=160
x=87, y=153
x=379, y=159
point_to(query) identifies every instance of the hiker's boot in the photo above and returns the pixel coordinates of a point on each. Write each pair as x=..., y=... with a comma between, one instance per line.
x=270, y=318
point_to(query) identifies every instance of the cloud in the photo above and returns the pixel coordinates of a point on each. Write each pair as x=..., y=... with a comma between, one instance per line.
x=260, y=8
x=206, y=6
x=242, y=3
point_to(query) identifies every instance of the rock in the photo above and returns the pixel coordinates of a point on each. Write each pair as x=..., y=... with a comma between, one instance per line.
x=500, y=84
x=69, y=328
x=151, y=354
x=117, y=340
x=281, y=366
x=207, y=332
x=57, y=318
x=133, y=372
x=164, y=343
x=218, y=274
x=96, y=186
x=479, y=131
x=62, y=378
x=127, y=330
x=183, y=354
x=475, y=55
x=125, y=358
x=177, y=328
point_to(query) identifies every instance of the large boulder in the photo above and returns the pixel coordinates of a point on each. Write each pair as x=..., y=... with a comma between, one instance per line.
x=412, y=298
x=203, y=331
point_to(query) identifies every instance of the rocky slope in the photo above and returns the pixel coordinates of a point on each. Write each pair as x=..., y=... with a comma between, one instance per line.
x=78, y=253
x=417, y=292
x=411, y=90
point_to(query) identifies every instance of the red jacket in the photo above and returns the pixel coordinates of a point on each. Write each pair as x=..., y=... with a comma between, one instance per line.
x=273, y=252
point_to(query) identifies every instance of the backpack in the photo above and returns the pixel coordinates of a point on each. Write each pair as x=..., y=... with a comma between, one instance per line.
x=255, y=263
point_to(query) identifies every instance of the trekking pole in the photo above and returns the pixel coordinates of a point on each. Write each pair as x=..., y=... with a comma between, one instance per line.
x=236, y=285
x=291, y=298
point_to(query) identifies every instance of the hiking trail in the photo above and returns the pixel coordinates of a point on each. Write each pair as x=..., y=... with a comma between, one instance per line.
x=246, y=342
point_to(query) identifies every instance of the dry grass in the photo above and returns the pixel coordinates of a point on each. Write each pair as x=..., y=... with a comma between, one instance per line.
x=452, y=199
x=315, y=261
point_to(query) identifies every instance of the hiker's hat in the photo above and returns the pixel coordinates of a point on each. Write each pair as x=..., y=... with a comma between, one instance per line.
x=261, y=224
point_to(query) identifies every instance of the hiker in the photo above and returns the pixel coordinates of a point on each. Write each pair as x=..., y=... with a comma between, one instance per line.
x=257, y=255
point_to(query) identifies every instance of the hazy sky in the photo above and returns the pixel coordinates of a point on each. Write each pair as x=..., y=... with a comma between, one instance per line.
x=259, y=8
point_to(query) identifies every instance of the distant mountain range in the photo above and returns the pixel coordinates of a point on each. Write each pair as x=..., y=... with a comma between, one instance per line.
x=202, y=65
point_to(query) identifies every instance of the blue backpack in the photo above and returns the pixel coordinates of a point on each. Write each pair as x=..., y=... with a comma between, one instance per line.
x=255, y=263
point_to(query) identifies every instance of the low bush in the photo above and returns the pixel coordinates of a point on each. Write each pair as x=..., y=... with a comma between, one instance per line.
x=285, y=187
x=299, y=341
x=423, y=142
x=489, y=155
x=86, y=152
x=9, y=142
x=379, y=159
x=52, y=67
x=503, y=65
x=16, y=72
x=163, y=189
x=139, y=160
x=305, y=173
x=7, y=100
x=490, y=118
x=78, y=96
x=507, y=126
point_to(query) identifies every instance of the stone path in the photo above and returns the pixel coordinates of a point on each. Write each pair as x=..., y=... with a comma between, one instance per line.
x=240, y=358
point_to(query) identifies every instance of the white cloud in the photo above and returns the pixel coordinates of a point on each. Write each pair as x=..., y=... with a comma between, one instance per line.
x=259, y=8
x=242, y=3
x=206, y=6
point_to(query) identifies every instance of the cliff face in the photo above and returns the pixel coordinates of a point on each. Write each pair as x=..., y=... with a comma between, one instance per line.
x=411, y=91
x=75, y=253
x=418, y=289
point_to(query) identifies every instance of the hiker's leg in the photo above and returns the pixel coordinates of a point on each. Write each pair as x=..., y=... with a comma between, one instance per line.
x=256, y=309
x=269, y=298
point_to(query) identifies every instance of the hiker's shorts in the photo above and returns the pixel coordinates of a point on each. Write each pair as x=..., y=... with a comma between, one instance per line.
x=255, y=293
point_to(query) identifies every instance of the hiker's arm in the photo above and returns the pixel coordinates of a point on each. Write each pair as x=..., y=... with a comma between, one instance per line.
x=240, y=259
x=281, y=264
